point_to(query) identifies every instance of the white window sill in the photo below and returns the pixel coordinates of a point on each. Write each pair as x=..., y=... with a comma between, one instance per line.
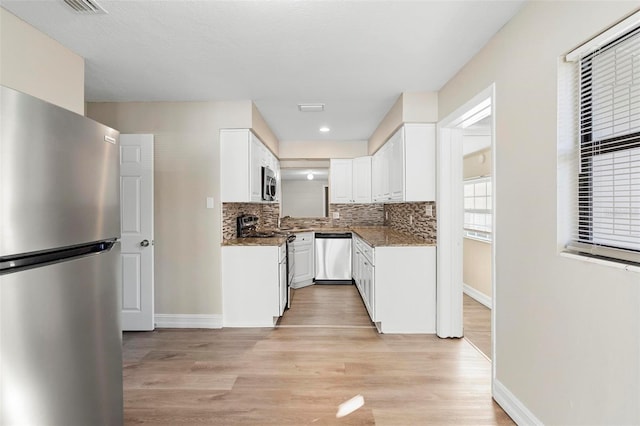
x=478, y=239
x=609, y=263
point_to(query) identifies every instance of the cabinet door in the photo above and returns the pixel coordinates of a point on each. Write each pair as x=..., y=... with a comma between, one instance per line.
x=367, y=285
x=420, y=163
x=396, y=166
x=282, y=287
x=385, y=194
x=236, y=170
x=304, y=263
x=357, y=275
x=354, y=260
x=376, y=183
x=380, y=175
x=362, y=180
x=341, y=181
x=255, y=168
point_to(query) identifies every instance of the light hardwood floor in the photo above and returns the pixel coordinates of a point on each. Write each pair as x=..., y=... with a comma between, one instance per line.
x=298, y=375
x=477, y=324
x=319, y=305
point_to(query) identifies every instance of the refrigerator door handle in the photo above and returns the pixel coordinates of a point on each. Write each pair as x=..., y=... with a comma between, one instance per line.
x=20, y=262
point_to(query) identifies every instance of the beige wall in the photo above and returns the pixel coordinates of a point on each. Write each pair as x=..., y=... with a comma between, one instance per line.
x=477, y=254
x=478, y=163
x=322, y=149
x=303, y=198
x=186, y=162
x=387, y=126
x=34, y=63
x=420, y=107
x=477, y=265
x=411, y=107
x=567, y=331
x=263, y=131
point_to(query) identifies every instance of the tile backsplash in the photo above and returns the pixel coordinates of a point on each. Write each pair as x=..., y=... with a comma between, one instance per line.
x=357, y=214
x=350, y=215
x=268, y=214
x=412, y=218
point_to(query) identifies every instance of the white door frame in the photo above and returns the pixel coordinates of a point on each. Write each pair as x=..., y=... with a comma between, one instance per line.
x=450, y=221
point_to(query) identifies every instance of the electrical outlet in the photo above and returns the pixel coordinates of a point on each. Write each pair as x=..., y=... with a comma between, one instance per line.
x=336, y=215
x=209, y=202
x=429, y=210
x=410, y=219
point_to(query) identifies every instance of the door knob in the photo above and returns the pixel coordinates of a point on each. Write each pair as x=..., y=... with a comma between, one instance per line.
x=144, y=243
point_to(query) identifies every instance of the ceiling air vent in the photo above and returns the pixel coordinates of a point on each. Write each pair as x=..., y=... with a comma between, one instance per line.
x=311, y=107
x=87, y=7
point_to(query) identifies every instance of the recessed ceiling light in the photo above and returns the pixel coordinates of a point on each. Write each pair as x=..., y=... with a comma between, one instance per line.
x=310, y=176
x=324, y=129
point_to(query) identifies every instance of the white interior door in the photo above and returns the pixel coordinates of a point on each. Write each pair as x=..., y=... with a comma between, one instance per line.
x=136, y=214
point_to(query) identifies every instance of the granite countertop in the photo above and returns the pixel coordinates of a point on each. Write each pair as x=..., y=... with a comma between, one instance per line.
x=375, y=236
x=272, y=241
x=383, y=236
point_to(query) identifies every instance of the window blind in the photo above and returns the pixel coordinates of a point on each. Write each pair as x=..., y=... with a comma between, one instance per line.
x=607, y=221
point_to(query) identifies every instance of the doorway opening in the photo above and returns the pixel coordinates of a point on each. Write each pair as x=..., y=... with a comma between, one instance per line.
x=477, y=227
x=466, y=223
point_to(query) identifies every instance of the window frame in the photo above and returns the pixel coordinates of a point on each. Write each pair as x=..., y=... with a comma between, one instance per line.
x=588, y=150
x=475, y=234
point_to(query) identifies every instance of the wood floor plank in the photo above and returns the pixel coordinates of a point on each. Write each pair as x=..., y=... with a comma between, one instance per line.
x=301, y=373
x=326, y=305
x=477, y=324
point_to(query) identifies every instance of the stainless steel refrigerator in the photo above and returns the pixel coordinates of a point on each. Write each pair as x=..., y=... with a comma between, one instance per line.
x=60, y=333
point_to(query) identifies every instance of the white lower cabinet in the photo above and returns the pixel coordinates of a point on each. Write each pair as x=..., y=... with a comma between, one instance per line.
x=364, y=275
x=253, y=296
x=303, y=260
x=398, y=286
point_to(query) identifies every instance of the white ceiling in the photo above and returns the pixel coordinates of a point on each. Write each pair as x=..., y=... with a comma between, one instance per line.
x=356, y=57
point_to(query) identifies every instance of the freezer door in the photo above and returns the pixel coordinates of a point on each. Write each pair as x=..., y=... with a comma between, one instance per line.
x=59, y=176
x=60, y=341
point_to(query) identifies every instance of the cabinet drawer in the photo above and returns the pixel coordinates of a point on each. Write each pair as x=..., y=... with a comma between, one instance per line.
x=303, y=238
x=367, y=251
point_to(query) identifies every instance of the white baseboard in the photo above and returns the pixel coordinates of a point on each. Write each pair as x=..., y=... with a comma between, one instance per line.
x=513, y=406
x=187, y=321
x=302, y=284
x=477, y=296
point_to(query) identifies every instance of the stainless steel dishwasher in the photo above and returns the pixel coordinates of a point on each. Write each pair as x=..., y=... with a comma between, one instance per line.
x=333, y=258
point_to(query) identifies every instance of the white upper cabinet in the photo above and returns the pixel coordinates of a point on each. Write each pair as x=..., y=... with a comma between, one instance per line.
x=350, y=180
x=404, y=168
x=256, y=153
x=242, y=156
x=341, y=181
x=380, y=174
x=362, y=180
x=397, y=166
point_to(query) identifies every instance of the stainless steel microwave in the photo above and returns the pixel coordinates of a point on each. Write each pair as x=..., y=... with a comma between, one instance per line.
x=269, y=186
